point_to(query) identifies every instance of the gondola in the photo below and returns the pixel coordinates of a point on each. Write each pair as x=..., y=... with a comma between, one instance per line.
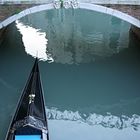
x=29, y=121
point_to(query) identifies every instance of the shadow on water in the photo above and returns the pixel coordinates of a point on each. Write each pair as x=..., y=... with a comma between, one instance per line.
x=95, y=74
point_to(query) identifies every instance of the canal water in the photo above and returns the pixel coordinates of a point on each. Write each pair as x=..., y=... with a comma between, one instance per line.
x=90, y=69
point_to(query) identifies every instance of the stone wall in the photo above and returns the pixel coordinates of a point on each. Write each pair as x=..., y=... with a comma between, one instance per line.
x=126, y=2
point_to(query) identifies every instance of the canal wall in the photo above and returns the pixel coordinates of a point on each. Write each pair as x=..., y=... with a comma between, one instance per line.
x=135, y=31
x=2, y=33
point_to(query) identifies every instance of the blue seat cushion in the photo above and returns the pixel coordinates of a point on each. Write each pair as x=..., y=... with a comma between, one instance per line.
x=27, y=137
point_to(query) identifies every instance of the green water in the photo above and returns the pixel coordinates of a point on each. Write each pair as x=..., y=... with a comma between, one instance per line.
x=90, y=69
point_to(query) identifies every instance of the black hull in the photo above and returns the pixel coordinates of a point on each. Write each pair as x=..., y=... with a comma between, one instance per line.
x=30, y=116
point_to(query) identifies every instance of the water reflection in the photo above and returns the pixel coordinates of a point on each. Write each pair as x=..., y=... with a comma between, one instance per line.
x=72, y=40
x=34, y=41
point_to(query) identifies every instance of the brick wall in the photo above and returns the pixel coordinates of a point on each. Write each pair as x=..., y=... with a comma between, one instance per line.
x=7, y=10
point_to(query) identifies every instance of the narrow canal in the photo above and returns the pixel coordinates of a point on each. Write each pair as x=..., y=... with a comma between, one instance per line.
x=90, y=69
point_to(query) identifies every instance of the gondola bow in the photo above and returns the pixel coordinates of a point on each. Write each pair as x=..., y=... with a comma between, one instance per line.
x=29, y=121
